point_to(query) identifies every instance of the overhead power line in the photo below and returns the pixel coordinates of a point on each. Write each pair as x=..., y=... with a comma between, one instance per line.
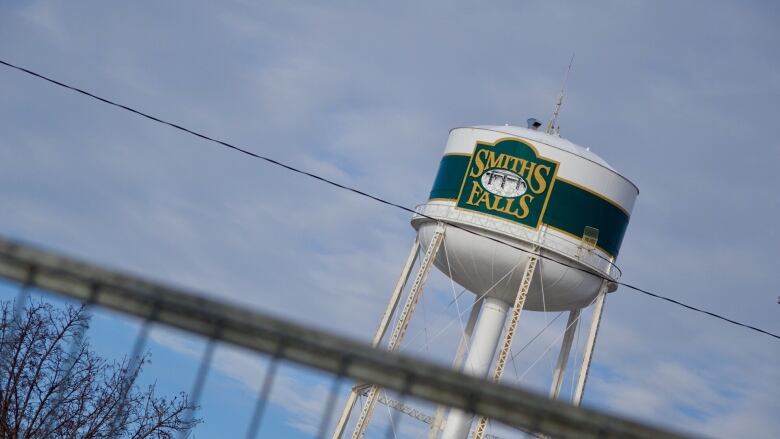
x=366, y=194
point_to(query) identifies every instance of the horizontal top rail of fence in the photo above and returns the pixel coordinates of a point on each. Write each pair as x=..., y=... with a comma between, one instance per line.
x=339, y=356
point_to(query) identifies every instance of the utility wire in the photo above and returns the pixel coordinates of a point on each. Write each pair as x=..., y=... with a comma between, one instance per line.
x=368, y=195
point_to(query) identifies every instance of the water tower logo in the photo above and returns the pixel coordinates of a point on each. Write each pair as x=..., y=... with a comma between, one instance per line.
x=510, y=180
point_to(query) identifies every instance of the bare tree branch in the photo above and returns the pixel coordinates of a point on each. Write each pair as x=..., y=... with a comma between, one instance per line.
x=55, y=386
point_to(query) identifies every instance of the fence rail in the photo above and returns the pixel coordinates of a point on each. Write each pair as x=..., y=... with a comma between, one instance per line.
x=282, y=340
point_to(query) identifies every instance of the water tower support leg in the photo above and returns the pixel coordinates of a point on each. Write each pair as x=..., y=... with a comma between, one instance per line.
x=503, y=354
x=563, y=356
x=460, y=355
x=480, y=356
x=399, y=331
x=587, y=356
x=380, y=332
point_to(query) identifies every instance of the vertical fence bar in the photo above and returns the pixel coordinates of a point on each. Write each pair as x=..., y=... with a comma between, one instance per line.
x=197, y=386
x=262, y=399
x=330, y=406
x=130, y=374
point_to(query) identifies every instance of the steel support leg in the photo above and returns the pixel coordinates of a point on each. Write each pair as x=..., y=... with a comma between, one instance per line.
x=380, y=332
x=403, y=324
x=503, y=354
x=563, y=356
x=587, y=356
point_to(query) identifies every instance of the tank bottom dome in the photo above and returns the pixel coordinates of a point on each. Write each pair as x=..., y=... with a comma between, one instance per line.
x=484, y=266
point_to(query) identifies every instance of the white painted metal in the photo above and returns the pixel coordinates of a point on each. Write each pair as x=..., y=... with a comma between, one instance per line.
x=345, y=413
x=587, y=355
x=476, y=262
x=571, y=274
x=511, y=328
x=457, y=363
x=480, y=264
x=437, y=423
x=563, y=356
x=465, y=342
x=341, y=425
x=578, y=164
x=413, y=412
x=553, y=127
x=405, y=409
x=487, y=334
x=552, y=242
x=403, y=323
x=394, y=299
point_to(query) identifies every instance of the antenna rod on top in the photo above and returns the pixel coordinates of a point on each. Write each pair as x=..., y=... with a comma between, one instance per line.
x=552, y=127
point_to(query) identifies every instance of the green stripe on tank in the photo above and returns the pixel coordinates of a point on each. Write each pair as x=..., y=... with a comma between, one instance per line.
x=450, y=176
x=570, y=208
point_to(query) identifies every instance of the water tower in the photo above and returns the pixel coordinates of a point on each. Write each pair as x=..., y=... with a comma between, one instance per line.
x=563, y=212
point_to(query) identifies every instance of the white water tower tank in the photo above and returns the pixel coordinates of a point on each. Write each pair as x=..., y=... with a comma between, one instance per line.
x=540, y=194
x=527, y=188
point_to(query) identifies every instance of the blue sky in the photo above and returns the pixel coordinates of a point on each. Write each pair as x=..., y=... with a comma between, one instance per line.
x=681, y=97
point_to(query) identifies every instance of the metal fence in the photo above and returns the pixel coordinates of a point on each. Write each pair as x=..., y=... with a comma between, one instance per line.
x=344, y=360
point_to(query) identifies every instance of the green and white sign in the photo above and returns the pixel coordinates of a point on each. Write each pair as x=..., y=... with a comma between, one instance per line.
x=510, y=180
